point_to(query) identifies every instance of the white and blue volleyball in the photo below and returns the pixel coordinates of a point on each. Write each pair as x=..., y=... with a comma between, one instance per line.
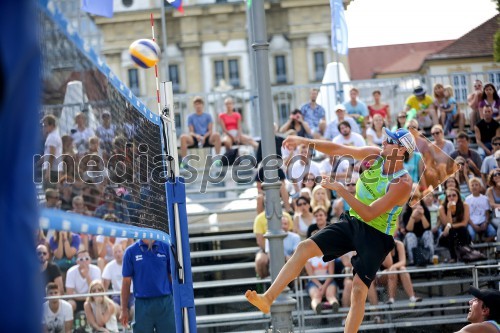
x=144, y=52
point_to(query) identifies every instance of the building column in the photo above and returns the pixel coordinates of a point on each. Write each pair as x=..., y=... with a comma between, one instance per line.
x=192, y=65
x=299, y=57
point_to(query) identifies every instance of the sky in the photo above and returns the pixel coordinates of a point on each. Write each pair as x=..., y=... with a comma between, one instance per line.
x=382, y=22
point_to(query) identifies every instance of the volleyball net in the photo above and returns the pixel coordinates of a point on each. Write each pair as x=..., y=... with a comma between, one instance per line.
x=116, y=174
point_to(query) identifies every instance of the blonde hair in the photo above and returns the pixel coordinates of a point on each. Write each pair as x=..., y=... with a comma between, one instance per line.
x=473, y=180
x=106, y=300
x=449, y=90
x=326, y=202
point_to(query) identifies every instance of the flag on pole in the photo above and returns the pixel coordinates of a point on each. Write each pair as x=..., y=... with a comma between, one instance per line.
x=98, y=7
x=339, y=27
x=177, y=4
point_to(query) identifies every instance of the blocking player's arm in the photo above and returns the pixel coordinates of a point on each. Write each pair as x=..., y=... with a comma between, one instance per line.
x=478, y=328
x=331, y=149
x=397, y=195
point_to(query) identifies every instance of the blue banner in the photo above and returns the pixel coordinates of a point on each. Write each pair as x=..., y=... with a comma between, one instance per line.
x=339, y=27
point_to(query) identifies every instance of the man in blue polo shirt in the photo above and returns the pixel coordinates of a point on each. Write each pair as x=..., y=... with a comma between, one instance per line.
x=147, y=264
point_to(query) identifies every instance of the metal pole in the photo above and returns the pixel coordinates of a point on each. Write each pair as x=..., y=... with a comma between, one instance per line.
x=254, y=110
x=281, y=310
x=338, y=85
x=164, y=60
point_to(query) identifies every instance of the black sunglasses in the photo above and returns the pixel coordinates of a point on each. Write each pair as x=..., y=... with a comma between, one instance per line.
x=436, y=133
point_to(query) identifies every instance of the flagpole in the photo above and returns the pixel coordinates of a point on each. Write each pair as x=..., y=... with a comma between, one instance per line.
x=338, y=86
x=164, y=60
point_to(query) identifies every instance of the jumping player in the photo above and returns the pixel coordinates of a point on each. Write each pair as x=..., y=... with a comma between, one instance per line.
x=381, y=192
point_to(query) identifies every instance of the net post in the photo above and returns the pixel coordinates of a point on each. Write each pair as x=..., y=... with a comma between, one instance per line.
x=185, y=316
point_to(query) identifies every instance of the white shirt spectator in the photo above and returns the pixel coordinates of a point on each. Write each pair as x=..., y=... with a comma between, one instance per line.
x=489, y=163
x=448, y=147
x=478, y=207
x=55, y=321
x=299, y=170
x=332, y=130
x=81, y=139
x=53, y=140
x=290, y=243
x=375, y=139
x=354, y=139
x=75, y=280
x=113, y=273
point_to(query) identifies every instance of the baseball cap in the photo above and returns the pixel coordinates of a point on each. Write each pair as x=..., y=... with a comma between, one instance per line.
x=404, y=137
x=106, y=112
x=339, y=107
x=419, y=91
x=490, y=298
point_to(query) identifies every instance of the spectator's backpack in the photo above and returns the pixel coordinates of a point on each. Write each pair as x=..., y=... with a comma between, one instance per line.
x=421, y=255
x=466, y=254
x=229, y=157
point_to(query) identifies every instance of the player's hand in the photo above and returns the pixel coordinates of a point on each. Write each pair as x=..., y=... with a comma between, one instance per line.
x=292, y=141
x=334, y=186
x=124, y=318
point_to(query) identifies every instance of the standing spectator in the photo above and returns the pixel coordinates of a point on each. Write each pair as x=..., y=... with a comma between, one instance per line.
x=100, y=310
x=423, y=106
x=230, y=122
x=484, y=312
x=473, y=101
x=380, y=108
x=332, y=130
x=106, y=132
x=396, y=261
x=313, y=113
x=79, y=278
x=491, y=162
x=94, y=146
x=52, y=152
x=490, y=97
x=485, y=130
x=112, y=205
x=347, y=137
x=64, y=245
x=375, y=135
x=416, y=226
x=479, y=222
x=454, y=216
x=50, y=271
x=303, y=217
x=57, y=313
x=146, y=263
x=355, y=108
x=472, y=158
x=296, y=125
x=81, y=134
x=201, y=131
x=113, y=274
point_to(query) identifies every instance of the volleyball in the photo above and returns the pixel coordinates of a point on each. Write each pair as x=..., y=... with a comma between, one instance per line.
x=144, y=52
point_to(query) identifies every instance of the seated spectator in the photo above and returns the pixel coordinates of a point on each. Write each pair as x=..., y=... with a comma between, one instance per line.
x=340, y=205
x=300, y=165
x=230, y=122
x=375, y=135
x=415, y=166
x=314, y=114
x=303, y=217
x=296, y=125
x=493, y=194
x=68, y=169
x=320, y=199
x=479, y=223
x=332, y=130
x=309, y=181
x=432, y=203
x=485, y=129
x=113, y=204
x=105, y=244
x=396, y=261
x=491, y=162
x=112, y=274
x=454, y=216
x=78, y=206
x=401, y=121
x=94, y=146
x=52, y=199
x=347, y=137
x=472, y=158
x=78, y=279
x=431, y=175
x=50, y=271
x=473, y=100
x=356, y=108
x=463, y=175
x=450, y=183
x=423, y=106
x=64, y=245
x=65, y=188
x=484, y=312
x=106, y=132
x=449, y=112
x=321, y=287
x=201, y=130
x=291, y=240
x=100, y=310
x=91, y=194
x=259, y=229
x=416, y=226
x=320, y=215
x=57, y=313
x=490, y=97
x=440, y=150
x=81, y=134
x=326, y=166
x=379, y=108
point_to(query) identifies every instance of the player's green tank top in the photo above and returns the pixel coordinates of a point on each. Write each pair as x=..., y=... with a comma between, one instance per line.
x=373, y=184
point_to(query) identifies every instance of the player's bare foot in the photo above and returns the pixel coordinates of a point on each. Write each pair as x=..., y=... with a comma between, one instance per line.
x=259, y=301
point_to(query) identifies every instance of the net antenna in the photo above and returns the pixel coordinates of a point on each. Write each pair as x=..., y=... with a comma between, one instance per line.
x=176, y=207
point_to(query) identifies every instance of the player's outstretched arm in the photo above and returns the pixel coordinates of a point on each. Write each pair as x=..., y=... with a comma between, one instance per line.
x=332, y=149
x=397, y=195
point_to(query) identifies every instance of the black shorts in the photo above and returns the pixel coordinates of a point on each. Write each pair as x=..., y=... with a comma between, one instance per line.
x=259, y=177
x=351, y=234
x=195, y=144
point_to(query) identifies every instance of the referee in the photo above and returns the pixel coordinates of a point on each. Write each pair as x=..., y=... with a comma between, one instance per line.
x=147, y=264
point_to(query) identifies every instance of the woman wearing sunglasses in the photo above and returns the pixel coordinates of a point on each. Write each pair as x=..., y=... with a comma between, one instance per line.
x=381, y=192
